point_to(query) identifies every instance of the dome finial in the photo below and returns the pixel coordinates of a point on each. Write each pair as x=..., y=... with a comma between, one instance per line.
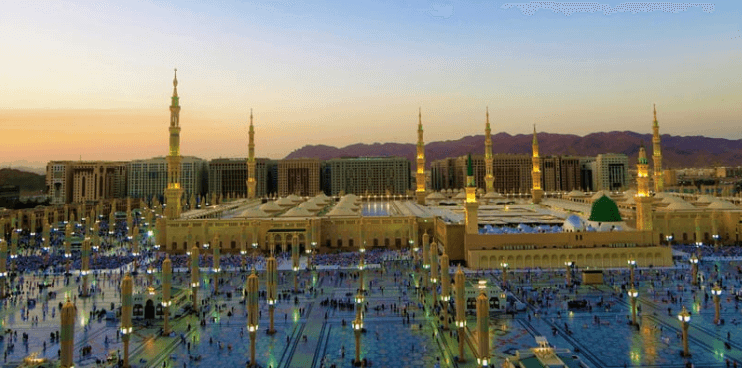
x=175, y=79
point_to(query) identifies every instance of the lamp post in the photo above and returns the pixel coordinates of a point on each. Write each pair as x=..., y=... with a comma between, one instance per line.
x=295, y=261
x=357, y=328
x=633, y=293
x=568, y=275
x=252, y=313
x=445, y=288
x=504, y=266
x=684, y=318
x=632, y=266
x=67, y=336
x=434, y=272
x=3, y=266
x=460, y=279
x=426, y=258
x=217, y=267
x=167, y=279
x=195, y=276
x=126, y=309
x=694, y=269
x=85, y=266
x=483, y=320
x=271, y=285
x=716, y=292
x=668, y=238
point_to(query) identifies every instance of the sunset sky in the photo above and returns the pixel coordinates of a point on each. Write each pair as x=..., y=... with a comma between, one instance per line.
x=92, y=79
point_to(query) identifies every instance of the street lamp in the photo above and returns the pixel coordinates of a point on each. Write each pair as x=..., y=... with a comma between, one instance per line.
x=716, y=292
x=684, y=318
x=504, y=266
x=669, y=239
x=357, y=328
x=568, y=275
x=632, y=265
x=633, y=293
x=483, y=324
x=694, y=269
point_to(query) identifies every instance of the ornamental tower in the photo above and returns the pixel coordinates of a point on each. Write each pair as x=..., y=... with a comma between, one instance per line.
x=173, y=191
x=489, y=178
x=251, y=183
x=642, y=198
x=471, y=206
x=537, y=192
x=420, y=176
x=659, y=185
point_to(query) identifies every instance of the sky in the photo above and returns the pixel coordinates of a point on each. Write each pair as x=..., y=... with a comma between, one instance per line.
x=92, y=80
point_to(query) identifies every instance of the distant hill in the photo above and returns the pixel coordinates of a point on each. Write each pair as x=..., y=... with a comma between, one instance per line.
x=677, y=151
x=26, y=181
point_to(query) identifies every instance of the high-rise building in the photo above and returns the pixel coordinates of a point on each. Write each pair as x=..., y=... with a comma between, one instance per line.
x=148, y=178
x=59, y=181
x=229, y=175
x=443, y=174
x=587, y=174
x=366, y=175
x=79, y=181
x=611, y=171
x=95, y=180
x=298, y=176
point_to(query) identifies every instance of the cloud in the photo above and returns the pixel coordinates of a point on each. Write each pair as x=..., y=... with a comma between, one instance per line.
x=568, y=8
x=441, y=10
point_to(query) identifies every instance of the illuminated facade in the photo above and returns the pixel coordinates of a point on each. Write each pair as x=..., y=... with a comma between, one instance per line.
x=642, y=198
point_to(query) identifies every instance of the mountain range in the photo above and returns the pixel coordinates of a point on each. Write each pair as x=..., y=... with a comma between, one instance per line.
x=677, y=151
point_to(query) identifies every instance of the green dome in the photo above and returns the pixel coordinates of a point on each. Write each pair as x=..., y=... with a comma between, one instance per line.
x=604, y=210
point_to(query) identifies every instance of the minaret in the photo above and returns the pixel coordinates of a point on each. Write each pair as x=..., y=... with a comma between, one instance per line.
x=173, y=192
x=642, y=198
x=251, y=183
x=659, y=184
x=471, y=206
x=420, y=175
x=489, y=178
x=252, y=312
x=537, y=192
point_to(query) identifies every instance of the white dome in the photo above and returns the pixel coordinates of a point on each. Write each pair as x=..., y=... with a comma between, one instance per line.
x=681, y=205
x=271, y=207
x=706, y=199
x=573, y=223
x=341, y=211
x=492, y=195
x=599, y=194
x=722, y=205
x=254, y=212
x=297, y=212
x=435, y=196
x=285, y=202
x=310, y=206
x=460, y=195
x=295, y=198
x=575, y=193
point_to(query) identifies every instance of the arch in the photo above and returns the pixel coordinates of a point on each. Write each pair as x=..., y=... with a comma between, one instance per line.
x=614, y=260
x=554, y=261
x=482, y=263
x=589, y=260
x=493, y=262
x=149, y=309
x=519, y=261
x=658, y=258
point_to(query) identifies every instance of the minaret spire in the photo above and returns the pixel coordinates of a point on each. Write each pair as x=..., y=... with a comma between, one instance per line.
x=536, y=192
x=657, y=154
x=173, y=191
x=420, y=175
x=489, y=178
x=642, y=199
x=251, y=183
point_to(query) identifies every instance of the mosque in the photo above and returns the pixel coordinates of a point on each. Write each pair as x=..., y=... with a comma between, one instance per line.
x=482, y=230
